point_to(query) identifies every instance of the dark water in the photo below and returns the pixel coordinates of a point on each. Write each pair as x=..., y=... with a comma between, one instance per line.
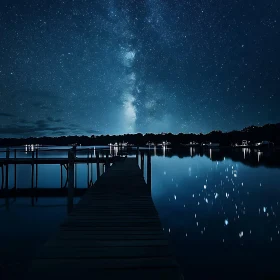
x=220, y=210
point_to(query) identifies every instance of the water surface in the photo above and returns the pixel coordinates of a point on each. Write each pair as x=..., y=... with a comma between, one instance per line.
x=220, y=210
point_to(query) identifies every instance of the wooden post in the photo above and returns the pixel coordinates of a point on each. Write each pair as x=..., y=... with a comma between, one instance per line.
x=97, y=165
x=2, y=175
x=137, y=155
x=71, y=168
x=32, y=171
x=7, y=168
x=142, y=162
x=61, y=176
x=36, y=182
x=149, y=172
x=75, y=168
x=107, y=162
x=15, y=171
x=88, y=174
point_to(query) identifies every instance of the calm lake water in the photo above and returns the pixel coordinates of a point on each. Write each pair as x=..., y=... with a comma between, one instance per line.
x=220, y=210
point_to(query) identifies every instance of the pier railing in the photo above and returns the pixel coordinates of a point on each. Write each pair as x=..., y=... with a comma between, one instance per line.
x=68, y=160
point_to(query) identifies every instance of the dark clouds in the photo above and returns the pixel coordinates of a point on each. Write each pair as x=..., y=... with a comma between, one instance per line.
x=47, y=127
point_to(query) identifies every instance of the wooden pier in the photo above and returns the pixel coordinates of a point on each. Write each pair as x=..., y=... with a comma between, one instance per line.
x=114, y=232
x=102, y=159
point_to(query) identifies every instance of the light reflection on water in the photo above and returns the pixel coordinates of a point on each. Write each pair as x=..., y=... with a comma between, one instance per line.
x=218, y=215
x=222, y=213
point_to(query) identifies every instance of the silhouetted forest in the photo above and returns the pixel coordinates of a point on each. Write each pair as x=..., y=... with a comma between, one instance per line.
x=254, y=134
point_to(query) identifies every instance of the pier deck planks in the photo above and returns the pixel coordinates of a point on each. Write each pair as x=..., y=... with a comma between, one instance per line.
x=114, y=232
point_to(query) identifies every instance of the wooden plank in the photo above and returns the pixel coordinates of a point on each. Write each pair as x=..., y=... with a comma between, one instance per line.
x=116, y=214
x=113, y=221
x=107, y=263
x=106, y=252
x=74, y=272
x=108, y=237
x=106, y=243
x=110, y=228
x=124, y=208
x=122, y=232
x=103, y=217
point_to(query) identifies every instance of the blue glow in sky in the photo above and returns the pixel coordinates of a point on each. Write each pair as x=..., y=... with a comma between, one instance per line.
x=113, y=67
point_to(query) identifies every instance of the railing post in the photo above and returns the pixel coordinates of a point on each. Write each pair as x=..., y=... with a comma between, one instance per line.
x=32, y=171
x=36, y=182
x=149, y=172
x=71, y=157
x=7, y=168
x=137, y=155
x=2, y=176
x=88, y=174
x=97, y=164
x=142, y=163
x=107, y=162
x=15, y=169
x=76, y=175
x=61, y=176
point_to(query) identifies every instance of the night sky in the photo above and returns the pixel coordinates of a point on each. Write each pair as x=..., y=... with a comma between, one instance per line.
x=125, y=66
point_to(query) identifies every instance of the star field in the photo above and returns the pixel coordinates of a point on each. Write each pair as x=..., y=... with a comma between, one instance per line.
x=127, y=66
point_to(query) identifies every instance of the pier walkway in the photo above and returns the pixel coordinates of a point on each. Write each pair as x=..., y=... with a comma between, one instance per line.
x=114, y=232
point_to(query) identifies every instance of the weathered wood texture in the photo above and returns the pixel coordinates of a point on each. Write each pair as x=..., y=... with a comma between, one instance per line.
x=114, y=232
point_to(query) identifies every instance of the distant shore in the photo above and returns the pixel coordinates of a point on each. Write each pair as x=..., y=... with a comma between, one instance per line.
x=249, y=137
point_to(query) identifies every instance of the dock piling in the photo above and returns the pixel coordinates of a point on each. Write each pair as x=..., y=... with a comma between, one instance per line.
x=97, y=164
x=107, y=161
x=15, y=170
x=2, y=176
x=36, y=179
x=71, y=175
x=32, y=171
x=149, y=171
x=7, y=169
x=61, y=176
x=142, y=163
x=137, y=155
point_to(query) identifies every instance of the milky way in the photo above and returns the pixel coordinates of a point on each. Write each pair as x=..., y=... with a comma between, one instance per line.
x=113, y=67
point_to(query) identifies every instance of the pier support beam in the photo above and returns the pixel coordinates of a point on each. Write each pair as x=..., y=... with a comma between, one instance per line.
x=15, y=170
x=2, y=176
x=76, y=175
x=32, y=171
x=149, y=171
x=142, y=163
x=7, y=169
x=36, y=179
x=107, y=165
x=71, y=167
x=97, y=164
x=7, y=202
x=61, y=176
x=137, y=155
